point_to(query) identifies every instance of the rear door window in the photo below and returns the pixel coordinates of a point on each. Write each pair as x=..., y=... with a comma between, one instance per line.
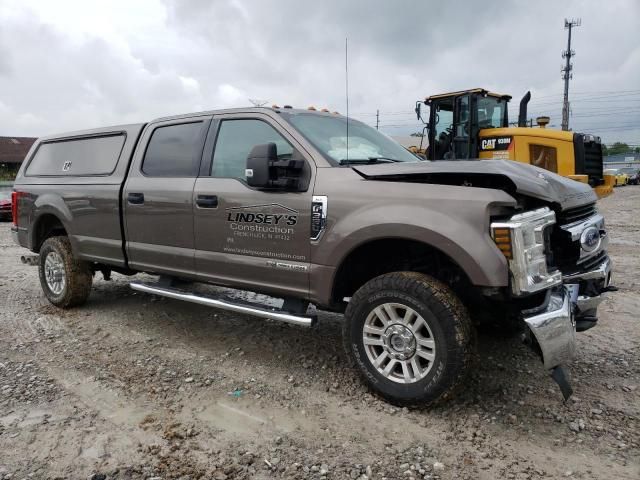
x=174, y=151
x=77, y=157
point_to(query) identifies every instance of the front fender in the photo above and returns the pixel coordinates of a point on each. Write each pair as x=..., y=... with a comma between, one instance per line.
x=465, y=240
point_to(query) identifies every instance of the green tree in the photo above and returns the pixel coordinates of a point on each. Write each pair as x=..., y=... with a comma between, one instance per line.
x=616, y=148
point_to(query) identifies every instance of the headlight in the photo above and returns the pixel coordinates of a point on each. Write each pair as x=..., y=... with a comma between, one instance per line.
x=522, y=241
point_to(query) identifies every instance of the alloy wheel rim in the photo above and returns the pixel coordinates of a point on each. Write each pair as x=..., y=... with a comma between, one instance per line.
x=54, y=273
x=399, y=343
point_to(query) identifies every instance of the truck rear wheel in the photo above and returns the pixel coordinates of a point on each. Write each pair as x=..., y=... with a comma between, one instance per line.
x=410, y=337
x=65, y=281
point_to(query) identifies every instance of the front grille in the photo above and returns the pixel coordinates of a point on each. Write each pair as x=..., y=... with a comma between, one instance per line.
x=588, y=158
x=576, y=214
x=565, y=253
x=593, y=262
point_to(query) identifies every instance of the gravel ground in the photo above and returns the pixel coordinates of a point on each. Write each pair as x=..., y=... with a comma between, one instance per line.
x=134, y=386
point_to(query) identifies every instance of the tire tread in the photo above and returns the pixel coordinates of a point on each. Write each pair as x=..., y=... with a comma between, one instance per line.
x=442, y=302
x=78, y=273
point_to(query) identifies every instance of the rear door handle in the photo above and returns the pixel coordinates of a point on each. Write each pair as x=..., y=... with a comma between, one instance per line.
x=207, y=201
x=135, y=198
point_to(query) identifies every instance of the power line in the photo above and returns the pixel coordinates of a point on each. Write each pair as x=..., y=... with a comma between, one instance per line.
x=593, y=92
x=622, y=98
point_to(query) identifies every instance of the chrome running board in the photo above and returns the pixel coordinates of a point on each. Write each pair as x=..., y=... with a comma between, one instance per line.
x=305, y=321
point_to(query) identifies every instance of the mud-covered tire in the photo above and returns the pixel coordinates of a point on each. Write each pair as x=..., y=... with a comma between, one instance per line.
x=76, y=285
x=449, y=327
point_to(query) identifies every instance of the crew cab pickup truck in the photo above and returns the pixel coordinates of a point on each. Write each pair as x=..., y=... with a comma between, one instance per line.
x=315, y=209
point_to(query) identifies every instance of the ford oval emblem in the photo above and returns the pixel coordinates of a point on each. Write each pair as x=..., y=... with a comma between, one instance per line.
x=590, y=239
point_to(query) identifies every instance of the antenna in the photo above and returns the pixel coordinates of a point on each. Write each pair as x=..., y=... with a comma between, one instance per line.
x=258, y=103
x=346, y=83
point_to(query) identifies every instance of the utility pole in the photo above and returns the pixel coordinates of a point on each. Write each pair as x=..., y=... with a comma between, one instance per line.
x=566, y=71
x=377, y=119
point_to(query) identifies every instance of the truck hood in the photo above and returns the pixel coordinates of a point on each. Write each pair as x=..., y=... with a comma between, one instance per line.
x=508, y=175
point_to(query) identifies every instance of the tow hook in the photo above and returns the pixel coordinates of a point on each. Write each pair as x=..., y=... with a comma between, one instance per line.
x=32, y=260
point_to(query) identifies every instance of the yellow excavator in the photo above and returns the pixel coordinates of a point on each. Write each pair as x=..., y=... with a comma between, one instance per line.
x=475, y=124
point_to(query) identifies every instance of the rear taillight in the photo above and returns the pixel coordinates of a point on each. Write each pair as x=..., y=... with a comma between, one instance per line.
x=15, y=197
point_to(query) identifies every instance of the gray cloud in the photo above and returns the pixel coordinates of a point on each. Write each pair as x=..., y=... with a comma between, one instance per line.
x=85, y=66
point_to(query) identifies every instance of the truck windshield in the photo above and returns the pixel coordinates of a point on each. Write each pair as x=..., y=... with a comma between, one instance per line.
x=491, y=112
x=365, y=144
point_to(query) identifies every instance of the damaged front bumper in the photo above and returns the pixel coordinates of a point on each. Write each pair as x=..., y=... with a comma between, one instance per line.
x=570, y=307
x=554, y=329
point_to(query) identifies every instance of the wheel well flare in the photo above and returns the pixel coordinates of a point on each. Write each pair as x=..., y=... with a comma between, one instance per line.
x=382, y=256
x=46, y=226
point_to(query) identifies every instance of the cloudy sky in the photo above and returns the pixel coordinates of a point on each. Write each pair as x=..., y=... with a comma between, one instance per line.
x=71, y=64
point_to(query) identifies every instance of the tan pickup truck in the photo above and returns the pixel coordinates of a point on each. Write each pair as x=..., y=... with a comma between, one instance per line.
x=317, y=210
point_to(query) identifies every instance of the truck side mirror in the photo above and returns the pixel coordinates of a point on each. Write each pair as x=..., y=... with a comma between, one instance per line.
x=266, y=171
x=258, y=161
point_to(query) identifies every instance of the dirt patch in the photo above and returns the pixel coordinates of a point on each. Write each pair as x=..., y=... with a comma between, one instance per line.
x=134, y=386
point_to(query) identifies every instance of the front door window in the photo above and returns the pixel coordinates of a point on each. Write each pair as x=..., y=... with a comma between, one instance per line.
x=235, y=140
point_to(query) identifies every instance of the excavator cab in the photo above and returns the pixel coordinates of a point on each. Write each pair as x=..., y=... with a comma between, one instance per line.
x=456, y=118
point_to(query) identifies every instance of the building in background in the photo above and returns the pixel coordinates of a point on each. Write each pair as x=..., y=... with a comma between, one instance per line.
x=622, y=160
x=12, y=153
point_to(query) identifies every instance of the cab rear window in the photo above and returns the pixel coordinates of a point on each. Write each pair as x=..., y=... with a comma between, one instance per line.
x=77, y=157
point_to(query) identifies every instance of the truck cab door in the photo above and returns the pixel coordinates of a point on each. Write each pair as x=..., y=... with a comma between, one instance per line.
x=246, y=237
x=157, y=201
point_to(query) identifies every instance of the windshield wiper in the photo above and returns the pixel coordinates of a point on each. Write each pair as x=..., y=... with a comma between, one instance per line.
x=367, y=161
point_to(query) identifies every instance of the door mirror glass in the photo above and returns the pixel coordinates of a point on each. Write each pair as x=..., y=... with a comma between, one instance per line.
x=258, y=161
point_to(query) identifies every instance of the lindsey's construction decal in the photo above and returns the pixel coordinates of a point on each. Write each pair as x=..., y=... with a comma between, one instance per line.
x=271, y=221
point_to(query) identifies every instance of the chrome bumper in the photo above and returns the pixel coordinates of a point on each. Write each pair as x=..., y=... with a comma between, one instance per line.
x=554, y=329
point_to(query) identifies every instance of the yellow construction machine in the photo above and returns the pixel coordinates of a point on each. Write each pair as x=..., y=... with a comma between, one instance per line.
x=475, y=124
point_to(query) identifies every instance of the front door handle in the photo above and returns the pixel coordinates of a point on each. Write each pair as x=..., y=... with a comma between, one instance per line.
x=135, y=198
x=207, y=201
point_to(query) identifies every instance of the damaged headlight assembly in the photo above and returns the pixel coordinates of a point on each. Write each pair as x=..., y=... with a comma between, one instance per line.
x=521, y=239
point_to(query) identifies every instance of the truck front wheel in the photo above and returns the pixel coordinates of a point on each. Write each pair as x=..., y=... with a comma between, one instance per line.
x=410, y=337
x=65, y=281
